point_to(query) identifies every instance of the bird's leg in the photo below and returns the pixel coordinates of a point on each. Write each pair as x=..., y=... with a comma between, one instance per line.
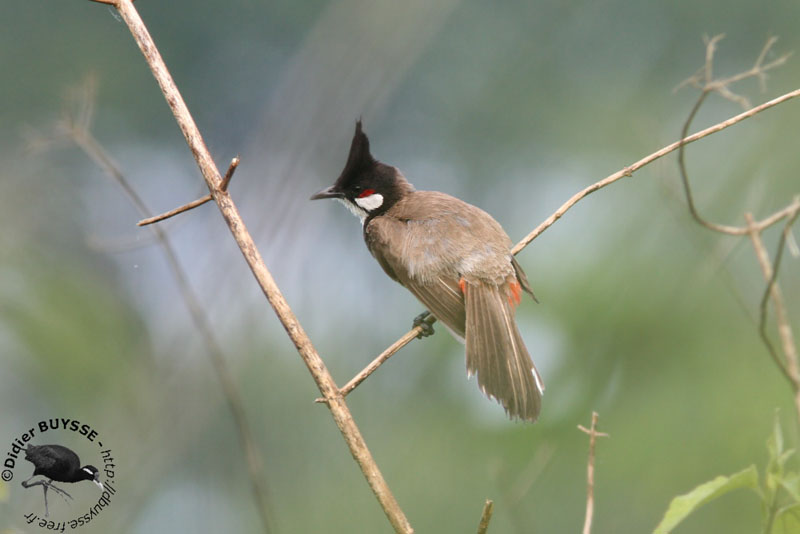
x=60, y=491
x=46, y=510
x=46, y=484
x=425, y=325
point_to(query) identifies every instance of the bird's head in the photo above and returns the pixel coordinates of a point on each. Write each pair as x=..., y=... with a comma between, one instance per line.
x=90, y=472
x=366, y=186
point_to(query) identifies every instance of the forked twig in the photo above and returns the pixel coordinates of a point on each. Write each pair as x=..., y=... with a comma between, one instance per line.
x=593, y=435
x=705, y=81
x=194, y=203
x=790, y=368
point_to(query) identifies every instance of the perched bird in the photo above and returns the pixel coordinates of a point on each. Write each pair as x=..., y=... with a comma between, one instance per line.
x=57, y=464
x=456, y=259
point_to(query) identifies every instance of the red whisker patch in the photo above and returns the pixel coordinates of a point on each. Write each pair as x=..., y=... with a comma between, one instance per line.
x=462, y=284
x=366, y=193
x=515, y=298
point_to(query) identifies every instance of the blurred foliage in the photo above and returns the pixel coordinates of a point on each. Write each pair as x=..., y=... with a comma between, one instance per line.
x=644, y=317
x=779, y=495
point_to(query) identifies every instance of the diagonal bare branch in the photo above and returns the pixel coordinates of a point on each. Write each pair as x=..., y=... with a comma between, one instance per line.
x=409, y=336
x=226, y=180
x=791, y=368
x=173, y=212
x=77, y=127
x=316, y=366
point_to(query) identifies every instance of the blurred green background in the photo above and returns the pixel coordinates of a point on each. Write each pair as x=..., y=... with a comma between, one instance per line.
x=644, y=316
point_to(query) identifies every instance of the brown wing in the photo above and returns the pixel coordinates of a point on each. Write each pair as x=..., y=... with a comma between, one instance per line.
x=429, y=240
x=438, y=289
x=445, y=301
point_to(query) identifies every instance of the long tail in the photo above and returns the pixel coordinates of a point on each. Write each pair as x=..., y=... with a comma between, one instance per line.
x=496, y=352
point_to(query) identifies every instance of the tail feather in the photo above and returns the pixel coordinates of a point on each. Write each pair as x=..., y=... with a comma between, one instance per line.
x=497, y=354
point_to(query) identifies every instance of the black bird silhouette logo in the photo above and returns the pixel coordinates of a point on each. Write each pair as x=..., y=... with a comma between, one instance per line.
x=57, y=463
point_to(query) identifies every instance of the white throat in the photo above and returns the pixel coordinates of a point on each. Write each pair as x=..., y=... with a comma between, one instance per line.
x=354, y=209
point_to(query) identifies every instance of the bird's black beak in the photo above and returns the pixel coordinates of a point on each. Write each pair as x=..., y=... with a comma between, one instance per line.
x=328, y=192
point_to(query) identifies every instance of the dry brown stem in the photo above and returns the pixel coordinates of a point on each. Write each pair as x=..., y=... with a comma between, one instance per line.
x=593, y=435
x=173, y=212
x=77, y=127
x=705, y=81
x=720, y=86
x=789, y=365
x=327, y=386
x=622, y=173
x=194, y=203
x=486, y=516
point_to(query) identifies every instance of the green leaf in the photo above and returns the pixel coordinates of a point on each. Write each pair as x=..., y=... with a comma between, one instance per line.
x=683, y=505
x=787, y=520
x=791, y=483
x=775, y=441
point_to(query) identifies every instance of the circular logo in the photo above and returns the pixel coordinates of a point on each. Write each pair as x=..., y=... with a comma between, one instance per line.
x=56, y=457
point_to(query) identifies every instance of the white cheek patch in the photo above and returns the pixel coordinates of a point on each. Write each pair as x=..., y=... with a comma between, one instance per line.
x=371, y=202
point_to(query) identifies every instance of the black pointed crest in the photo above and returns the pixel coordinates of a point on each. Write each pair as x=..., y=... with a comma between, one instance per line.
x=359, y=157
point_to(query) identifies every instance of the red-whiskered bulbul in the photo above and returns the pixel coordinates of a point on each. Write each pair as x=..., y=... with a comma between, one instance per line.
x=456, y=259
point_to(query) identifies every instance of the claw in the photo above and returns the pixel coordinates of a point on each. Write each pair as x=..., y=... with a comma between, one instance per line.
x=421, y=322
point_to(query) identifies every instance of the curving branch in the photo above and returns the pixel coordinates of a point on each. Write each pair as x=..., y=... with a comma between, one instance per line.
x=705, y=81
x=790, y=367
x=409, y=336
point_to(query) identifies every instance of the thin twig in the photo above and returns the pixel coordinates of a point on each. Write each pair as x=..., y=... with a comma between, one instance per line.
x=79, y=132
x=593, y=435
x=315, y=364
x=194, y=203
x=486, y=516
x=382, y=357
x=771, y=289
x=705, y=81
x=628, y=171
x=226, y=180
x=790, y=367
x=721, y=86
x=622, y=173
x=171, y=213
